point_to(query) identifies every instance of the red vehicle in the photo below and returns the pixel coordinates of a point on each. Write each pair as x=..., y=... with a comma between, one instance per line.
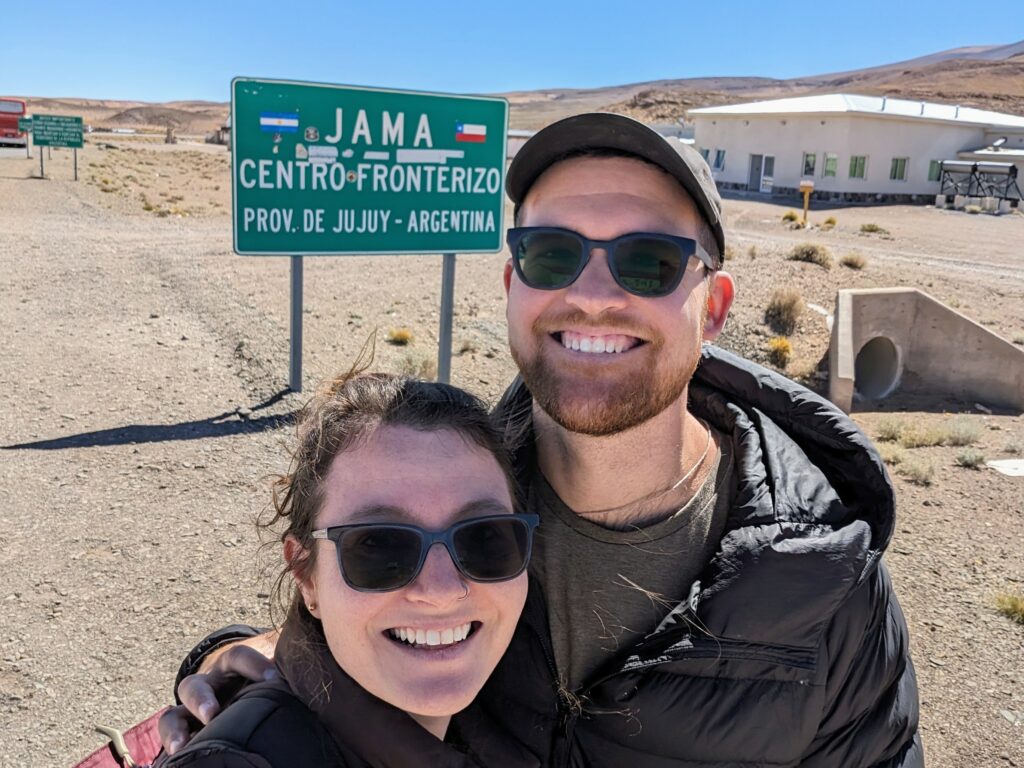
x=12, y=110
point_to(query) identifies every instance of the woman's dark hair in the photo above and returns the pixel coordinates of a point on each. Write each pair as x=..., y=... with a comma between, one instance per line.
x=349, y=410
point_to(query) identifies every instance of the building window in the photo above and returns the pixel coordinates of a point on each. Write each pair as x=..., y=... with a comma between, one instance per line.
x=810, y=158
x=898, y=169
x=934, y=170
x=719, y=159
x=858, y=166
x=831, y=165
x=704, y=152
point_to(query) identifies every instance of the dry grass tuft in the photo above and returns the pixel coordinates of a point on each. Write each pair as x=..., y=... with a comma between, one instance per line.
x=400, y=337
x=783, y=310
x=854, y=261
x=791, y=216
x=970, y=458
x=972, y=209
x=780, y=350
x=752, y=253
x=873, y=229
x=1011, y=606
x=730, y=253
x=891, y=454
x=962, y=430
x=418, y=366
x=811, y=253
x=917, y=472
x=922, y=437
x=890, y=429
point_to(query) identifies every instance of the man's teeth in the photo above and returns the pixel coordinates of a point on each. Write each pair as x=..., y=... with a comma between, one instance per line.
x=597, y=344
x=431, y=637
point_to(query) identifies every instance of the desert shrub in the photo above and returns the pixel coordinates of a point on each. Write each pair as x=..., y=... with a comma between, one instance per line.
x=916, y=436
x=1018, y=338
x=400, y=337
x=853, y=261
x=972, y=209
x=891, y=454
x=1011, y=606
x=1014, y=447
x=873, y=229
x=890, y=429
x=971, y=458
x=831, y=221
x=418, y=366
x=752, y=253
x=784, y=309
x=916, y=471
x=779, y=351
x=468, y=347
x=730, y=253
x=962, y=430
x=811, y=253
x=791, y=216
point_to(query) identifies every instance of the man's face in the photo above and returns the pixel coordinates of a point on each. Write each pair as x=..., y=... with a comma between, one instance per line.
x=656, y=341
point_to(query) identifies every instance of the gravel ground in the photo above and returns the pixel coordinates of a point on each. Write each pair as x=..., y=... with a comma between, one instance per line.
x=144, y=367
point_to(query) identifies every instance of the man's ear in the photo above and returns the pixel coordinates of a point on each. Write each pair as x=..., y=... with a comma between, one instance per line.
x=508, y=276
x=721, y=290
x=298, y=559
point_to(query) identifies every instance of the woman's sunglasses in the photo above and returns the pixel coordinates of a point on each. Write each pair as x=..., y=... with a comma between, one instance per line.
x=381, y=557
x=644, y=263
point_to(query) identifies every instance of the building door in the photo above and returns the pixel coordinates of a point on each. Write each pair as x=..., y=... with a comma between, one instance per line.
x=768, y=174
x=756, y=164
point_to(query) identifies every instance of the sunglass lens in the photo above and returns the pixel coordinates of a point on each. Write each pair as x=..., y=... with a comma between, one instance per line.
x=379, y=557
x=648, y=266
x=549, y=259
x=493, y=550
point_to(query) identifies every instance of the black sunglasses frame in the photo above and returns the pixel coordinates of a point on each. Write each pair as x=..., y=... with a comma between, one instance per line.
x=687, y=246
x=428, y=539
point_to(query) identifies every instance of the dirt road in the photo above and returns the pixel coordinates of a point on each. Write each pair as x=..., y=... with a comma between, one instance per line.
x=143, y=367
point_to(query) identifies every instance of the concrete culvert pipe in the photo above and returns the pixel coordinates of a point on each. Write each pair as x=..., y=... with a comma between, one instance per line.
x=877, y=369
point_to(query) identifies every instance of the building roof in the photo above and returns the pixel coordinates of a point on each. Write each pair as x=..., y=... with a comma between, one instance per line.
x=879, y=106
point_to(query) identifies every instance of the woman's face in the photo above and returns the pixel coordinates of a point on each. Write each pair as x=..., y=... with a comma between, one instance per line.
x=429, y=479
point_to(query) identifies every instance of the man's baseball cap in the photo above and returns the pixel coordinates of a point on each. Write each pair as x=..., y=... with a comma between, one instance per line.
x=599, y=130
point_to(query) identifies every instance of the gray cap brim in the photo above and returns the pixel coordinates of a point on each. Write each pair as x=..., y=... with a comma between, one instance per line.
x=598, y=130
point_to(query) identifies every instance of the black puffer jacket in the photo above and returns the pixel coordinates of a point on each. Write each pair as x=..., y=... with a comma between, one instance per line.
x=792, y=649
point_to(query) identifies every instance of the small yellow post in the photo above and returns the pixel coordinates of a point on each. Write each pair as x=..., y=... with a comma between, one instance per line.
x=806, y=187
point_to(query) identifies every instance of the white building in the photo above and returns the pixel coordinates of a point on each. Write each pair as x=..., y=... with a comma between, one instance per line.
x=871, y=148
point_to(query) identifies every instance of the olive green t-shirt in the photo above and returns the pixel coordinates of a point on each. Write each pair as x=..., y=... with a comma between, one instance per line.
x=606, y=589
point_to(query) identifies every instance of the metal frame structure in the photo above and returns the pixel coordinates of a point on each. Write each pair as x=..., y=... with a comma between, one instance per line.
x=961, y=177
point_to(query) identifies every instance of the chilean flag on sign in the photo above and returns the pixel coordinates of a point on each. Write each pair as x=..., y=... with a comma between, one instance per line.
x=470, y=132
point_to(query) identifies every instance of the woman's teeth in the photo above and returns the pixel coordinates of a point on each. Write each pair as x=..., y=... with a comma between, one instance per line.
x=431, y=637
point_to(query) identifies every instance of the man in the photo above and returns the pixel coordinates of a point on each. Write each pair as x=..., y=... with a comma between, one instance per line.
x=707, y=581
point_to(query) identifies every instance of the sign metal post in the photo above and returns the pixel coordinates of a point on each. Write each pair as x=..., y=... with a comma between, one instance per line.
x=333, y=170
x=444, y=336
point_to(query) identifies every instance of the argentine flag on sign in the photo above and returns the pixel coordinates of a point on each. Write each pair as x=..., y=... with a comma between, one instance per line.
x=279, y=122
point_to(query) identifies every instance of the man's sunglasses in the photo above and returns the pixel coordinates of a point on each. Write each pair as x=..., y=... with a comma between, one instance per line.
x=646, y=264
x=381, y=557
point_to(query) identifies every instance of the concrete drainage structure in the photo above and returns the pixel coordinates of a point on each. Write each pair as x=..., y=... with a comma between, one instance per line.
x=890, y=339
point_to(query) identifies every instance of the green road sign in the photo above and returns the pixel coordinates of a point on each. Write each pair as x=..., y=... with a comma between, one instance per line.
x=57, y=131
x=24, y=123
x=331, y=169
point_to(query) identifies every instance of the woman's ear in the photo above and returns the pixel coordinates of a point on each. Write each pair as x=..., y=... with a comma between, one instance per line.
x=297, y=558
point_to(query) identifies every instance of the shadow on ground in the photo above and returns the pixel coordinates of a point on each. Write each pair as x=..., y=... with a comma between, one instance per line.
x=237, y=421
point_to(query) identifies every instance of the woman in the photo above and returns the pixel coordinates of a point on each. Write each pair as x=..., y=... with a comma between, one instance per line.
x=408, y=565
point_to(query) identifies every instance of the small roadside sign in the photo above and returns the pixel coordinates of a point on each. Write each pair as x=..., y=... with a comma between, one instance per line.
x=25, y=124
x=333, y=170
x=57, y=131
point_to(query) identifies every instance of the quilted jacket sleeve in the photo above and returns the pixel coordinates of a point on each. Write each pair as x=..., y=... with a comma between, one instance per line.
x=870, y=717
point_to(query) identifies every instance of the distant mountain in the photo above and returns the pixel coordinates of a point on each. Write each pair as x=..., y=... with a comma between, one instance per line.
x=983, y=76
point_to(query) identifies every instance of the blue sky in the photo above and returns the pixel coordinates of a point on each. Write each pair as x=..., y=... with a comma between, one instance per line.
x=183, y=49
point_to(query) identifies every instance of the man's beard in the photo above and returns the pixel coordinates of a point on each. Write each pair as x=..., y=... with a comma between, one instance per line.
x=636, y=397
